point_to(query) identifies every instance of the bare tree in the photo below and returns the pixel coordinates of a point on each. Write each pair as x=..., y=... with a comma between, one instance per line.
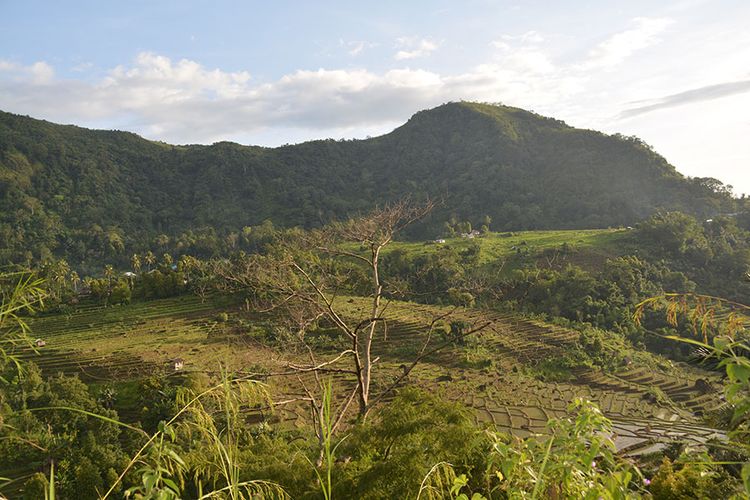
x=302, y=281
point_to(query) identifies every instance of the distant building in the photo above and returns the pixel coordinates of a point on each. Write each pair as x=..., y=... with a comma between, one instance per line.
x=439, y=240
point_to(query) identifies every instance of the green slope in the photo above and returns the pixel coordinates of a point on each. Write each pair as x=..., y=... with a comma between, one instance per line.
x=494, y=246
x=95, y=196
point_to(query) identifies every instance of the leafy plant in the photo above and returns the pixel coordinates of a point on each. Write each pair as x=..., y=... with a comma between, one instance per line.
x=722, y=323
x=576, y=459
x=21, y=294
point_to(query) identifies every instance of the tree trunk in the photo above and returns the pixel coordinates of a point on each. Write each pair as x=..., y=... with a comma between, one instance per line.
x=370, y=333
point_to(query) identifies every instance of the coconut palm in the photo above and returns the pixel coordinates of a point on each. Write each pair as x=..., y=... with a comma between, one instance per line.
x=135, y=262
x=75, y=280
x=150, y=259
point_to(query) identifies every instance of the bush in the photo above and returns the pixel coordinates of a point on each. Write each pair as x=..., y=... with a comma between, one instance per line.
x=389, y=456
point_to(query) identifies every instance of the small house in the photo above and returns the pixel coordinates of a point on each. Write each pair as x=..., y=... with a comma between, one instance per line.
x=471, y=234
x=40, y=343
x=440, y=241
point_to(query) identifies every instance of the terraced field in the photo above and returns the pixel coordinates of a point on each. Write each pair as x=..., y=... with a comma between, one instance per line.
x=125, y=342
x=648, y=406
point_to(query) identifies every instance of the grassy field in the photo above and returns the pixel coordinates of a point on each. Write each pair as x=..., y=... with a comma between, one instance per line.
x=492, y=373
x=588, y=248
x=503, y=245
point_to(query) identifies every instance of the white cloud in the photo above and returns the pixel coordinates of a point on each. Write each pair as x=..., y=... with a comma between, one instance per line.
x=356, y=47
x=618, y=47
x=530, y=37
x=705, y=93
x=412, y=48
x=38, y=73
x=523, y=58
x=42, y=73
x=182, y=101
x=84, y=66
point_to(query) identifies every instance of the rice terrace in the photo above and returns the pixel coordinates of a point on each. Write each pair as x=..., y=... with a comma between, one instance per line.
x=119, y=344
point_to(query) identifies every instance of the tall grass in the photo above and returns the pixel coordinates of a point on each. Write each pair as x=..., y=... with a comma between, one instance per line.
x=213, y=465
x=328, y=452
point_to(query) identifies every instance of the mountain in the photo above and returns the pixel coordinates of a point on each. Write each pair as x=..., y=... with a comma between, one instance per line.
x=89, y=195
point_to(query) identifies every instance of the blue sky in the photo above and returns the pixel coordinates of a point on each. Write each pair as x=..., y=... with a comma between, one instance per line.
x=675, y=73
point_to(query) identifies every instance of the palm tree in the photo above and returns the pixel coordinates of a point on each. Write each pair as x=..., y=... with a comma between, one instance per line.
x=75, y=280
x=115, y=242
x=60, y=278
x=135, y=261
x=109, y=273
x=150, y=259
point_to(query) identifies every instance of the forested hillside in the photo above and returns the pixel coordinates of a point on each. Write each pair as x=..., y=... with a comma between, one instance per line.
x=94, y=196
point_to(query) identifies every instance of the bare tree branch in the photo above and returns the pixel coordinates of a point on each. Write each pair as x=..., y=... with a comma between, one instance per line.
x=321, y=365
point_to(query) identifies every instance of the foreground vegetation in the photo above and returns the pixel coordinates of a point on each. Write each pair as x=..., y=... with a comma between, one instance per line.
x=203, y=444
x=339, y=363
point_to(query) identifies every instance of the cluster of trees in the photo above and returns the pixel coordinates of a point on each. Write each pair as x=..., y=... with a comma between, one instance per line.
x=669, y=252
x=454, y=227
x=149, y=279
x=707, y=251
x=39, y=427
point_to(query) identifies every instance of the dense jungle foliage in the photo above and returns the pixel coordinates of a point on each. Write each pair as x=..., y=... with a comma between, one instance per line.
x=95, y=197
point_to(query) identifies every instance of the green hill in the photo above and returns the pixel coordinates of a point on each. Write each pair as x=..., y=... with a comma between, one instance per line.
x=91, y=196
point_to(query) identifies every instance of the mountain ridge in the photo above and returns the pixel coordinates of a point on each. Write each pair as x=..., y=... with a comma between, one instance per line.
x=59, y=184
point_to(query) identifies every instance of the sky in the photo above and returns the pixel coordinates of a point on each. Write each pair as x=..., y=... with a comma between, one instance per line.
x=674, y=73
